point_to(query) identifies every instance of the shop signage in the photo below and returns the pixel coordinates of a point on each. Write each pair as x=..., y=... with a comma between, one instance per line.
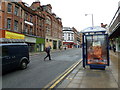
x=30, y=39
x=11, y=35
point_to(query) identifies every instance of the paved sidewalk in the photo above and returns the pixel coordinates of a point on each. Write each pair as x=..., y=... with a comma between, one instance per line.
x=92, y=78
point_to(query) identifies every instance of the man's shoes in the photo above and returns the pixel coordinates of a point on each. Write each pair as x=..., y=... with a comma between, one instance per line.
x=49, y=59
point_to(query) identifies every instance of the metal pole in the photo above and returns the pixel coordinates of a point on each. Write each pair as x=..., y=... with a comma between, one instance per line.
x=83, y=50
x=92, y=21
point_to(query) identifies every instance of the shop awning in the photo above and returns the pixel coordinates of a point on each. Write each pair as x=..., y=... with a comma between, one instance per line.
x=68, y=43
x=115, y=33
x=11, y=40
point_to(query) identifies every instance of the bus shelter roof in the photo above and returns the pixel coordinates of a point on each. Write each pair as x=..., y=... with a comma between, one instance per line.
x=94, y=29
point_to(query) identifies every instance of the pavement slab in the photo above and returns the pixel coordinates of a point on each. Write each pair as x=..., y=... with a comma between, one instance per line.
x=92, y=78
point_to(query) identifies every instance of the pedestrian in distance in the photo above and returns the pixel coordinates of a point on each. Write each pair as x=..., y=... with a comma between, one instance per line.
x=114, y=48
x=47, y=50
x=65, y=48
x=60, y=47
x=109, y=47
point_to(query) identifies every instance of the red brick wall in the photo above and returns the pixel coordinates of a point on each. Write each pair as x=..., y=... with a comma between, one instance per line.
x=2, y=33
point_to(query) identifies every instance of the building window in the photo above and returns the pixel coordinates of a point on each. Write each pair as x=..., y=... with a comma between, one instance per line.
x=0, y=5
x=31, y=30
x=0, y=21
x=21, y=27
x=68, y=36
x=26, y=16
x=16, y=25
x=8, y=23
x=9, y=9
x=48, y=20
x=63, y=35
x=21, y=12
x=26, y=29
x=71, y=36
x=16, y=11
x=47, y=40
x=49, y=10
x=30, y=18
x=64, y=38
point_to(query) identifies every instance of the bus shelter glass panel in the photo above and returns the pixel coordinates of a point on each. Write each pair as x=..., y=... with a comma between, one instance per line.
x=96, y=49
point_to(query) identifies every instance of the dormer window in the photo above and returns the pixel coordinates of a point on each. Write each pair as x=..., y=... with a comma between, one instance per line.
x=49, y=10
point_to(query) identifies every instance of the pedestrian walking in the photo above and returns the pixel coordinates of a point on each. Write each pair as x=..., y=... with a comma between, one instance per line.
x=114, y=48
x=47, y=50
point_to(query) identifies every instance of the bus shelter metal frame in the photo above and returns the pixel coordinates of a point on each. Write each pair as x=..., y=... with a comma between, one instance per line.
x=84, y=50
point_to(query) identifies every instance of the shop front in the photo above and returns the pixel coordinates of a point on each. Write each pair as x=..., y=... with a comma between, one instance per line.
x=75, y=45
x=11, y=37
x=118, y=44
x=115, y=38
x=31, y=43
x=60, y=44
x=68, y=44
x=40, y=44
x=54, y=44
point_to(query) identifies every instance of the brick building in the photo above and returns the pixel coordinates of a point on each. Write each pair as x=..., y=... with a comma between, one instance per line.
x=33, y=24
x=19, y=18
x=53, y=28
x=39, y=26
x=81, y=34
x=11, y=20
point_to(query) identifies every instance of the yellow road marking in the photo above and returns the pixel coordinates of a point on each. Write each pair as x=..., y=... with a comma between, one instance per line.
x=57, y=80
x=57, y=77
x=64, y=76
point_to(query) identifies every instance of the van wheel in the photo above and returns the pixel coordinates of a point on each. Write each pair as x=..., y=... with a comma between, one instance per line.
x=23, y=65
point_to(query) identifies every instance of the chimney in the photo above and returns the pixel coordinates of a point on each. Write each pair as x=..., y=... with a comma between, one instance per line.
x=103, y=25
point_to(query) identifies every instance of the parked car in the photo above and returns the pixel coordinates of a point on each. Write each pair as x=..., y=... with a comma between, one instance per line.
x=14, y=55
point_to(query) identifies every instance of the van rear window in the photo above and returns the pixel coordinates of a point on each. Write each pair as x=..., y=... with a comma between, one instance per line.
x=4, y=51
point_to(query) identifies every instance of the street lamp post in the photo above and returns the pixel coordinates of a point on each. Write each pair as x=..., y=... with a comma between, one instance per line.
x=92, y=19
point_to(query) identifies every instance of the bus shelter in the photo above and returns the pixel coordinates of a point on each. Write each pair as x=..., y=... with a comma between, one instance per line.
x=95, y=48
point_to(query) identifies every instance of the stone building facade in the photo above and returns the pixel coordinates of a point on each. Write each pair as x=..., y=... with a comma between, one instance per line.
x=71, y=38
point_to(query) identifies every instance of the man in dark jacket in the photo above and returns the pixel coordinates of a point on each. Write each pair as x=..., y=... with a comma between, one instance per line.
x=47, y=50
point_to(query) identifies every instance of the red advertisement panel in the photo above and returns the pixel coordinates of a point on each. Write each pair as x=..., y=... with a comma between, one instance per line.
x=96, y=49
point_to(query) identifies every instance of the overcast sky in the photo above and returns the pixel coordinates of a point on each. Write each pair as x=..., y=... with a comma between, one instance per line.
x=72, y=12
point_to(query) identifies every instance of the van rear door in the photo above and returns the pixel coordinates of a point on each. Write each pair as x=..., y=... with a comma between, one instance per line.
x=6, y=59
